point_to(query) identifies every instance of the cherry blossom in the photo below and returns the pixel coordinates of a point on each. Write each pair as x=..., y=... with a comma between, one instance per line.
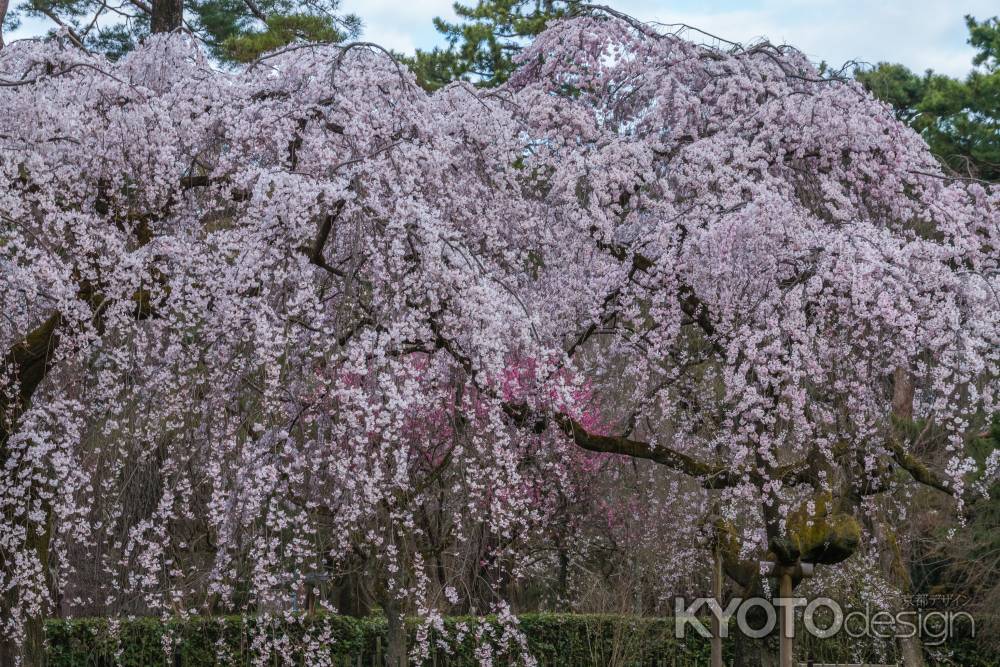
x=255, y=318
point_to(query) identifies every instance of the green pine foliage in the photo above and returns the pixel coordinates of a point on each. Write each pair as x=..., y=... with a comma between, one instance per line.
x=959, y=119
x=482, y=44
x=280, y=29
x=235, y=31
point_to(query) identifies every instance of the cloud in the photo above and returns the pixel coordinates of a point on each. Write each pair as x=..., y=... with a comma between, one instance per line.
x=400, y=25
x=30, y=27
x=921, y=34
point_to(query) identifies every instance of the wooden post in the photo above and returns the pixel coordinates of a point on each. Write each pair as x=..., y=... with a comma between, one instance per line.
x=717, y=594
x=787, y=638
x=786, y=627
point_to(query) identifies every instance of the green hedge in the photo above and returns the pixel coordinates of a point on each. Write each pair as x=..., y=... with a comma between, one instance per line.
x=147, y=642
x=556, y=640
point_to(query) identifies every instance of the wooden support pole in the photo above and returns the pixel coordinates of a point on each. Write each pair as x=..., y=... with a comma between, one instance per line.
x=787, y=638
x=786, y=627
x=717, y=594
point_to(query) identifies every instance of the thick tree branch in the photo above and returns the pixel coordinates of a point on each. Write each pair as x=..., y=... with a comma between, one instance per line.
x=318, y=250
x=255, y=10
x=918, y=469
x=712, y=477
x=52, y=16
x=902, y=414
x=29, y=360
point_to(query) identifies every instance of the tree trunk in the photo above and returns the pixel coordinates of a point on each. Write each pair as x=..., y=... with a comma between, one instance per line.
x=395, y=655
x=8, y=651
x=167, y=15
x=912, y=651
x=902, y=394
x=3, y=15
x=31, y=647
x=755, y=652
x=34, y=646
x=562, y=580
x=29, y=359
x=894, y=564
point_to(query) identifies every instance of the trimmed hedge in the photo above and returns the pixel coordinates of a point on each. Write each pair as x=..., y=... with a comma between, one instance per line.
x=147, y=642
x=556, y=640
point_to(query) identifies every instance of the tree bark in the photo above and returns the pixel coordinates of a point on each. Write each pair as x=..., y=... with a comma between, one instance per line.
x=395, y=655
x=30, y=360
x=894, y=564
x=902, y=394
x=167, y=15
x=3, y=14
x=755, y=652
x=912, y=651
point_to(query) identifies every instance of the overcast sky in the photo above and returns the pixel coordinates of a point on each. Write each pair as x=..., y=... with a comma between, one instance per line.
x=918, y=33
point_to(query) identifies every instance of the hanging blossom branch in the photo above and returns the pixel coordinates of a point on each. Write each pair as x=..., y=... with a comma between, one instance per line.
x=305, y=306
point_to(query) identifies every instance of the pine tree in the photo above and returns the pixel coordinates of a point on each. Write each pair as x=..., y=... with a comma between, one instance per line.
x=959, y=119
x=233, y=30
x=483, y=42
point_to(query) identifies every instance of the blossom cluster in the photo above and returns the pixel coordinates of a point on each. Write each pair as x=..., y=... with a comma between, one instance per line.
x=306, y=317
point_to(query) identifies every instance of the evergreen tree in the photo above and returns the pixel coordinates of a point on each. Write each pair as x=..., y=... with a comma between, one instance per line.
x=233, y=30
x=959, y=119
x=483, y=43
